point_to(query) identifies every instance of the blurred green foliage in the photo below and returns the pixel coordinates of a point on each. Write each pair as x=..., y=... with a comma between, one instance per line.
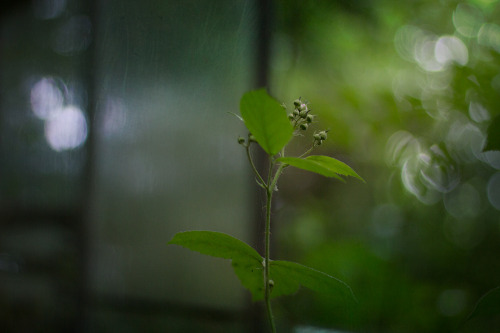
x=408, y=90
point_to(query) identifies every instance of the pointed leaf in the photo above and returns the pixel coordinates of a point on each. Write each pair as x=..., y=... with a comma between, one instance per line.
x=266, y=119
x=291, y=275
x=216, y=244
x=493, y=139
x=488, y=305
x=246, y=262
x=323, y=165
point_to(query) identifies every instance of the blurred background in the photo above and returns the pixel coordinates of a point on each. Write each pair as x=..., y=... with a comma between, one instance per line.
x=115, y=135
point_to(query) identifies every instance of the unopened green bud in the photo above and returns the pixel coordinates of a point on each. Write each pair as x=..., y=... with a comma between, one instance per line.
x=291, y=116
x=317, y=137
x=296, y=112
x=297, y=102
x=303, y=114
x=241, y=140
x=309, y=118
x=303, y=126
x=323, y=135
x=319, y=143
x=251, y=138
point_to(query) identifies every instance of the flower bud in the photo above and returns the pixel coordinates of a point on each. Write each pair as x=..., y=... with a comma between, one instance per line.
x=302, y=107
x=309, y=118
x=251, y=138
x=323, y=135
x=296, y=112
x=317, y=137
x=303, y=126
x=303, y=114
x=291, y=116
x=241, y=140
x=297, y=102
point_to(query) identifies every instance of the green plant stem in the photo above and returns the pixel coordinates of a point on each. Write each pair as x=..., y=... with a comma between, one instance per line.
x=257, y=174
x=271, y=186
x=267, y=295
x=307, y=152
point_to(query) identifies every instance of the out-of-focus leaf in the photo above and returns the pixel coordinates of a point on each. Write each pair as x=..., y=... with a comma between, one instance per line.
x=493, y=138
x=488, y=305
x=323, y=165
x=288, y=276
x=266, y=119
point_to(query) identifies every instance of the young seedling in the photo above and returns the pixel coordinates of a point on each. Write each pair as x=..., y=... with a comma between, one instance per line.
x=271, y=128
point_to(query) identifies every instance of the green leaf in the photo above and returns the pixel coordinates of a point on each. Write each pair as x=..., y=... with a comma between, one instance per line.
x=323, y=165
x=493, y=139
x=251, y=276
x=488, y=305
x=246, y=262
x=288, y=276
x=216, y=244
x=266, y=119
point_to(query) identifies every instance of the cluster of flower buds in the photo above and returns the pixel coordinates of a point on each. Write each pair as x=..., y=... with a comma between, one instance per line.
x=320, y=137
x=300, y=115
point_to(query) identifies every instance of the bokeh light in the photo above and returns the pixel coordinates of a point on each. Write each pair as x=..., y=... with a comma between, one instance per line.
x=494, y=190
x=47, y=97
x=67, y=129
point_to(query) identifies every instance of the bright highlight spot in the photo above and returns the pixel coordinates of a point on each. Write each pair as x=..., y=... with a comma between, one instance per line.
x=67, y=129
x=451, y=49
x=46, y=98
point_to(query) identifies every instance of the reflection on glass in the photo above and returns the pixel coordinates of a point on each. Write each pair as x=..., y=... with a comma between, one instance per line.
x=73, y=36
x=48, y=9
x=114, y=117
